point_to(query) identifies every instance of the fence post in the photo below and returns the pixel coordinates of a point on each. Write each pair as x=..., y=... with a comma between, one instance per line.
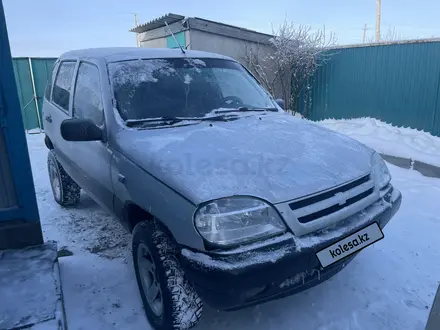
x=35, y=93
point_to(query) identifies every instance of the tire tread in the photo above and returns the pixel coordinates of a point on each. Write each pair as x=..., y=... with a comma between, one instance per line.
x=70, y=191
x=187, y=306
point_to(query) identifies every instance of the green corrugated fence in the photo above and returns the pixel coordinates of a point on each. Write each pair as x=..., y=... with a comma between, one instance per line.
x=397, y=83
x=31, y=76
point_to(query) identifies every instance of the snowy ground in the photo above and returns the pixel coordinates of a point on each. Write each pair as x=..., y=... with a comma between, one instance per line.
x=390, y=285
x=388, y=139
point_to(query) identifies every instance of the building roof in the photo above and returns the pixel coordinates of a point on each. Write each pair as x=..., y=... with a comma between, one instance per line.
x=173, y=18
x=234, y=26
x=116, y=54
x=157, y=22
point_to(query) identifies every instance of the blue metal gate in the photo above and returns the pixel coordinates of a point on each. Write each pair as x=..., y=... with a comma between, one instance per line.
x=19, y=218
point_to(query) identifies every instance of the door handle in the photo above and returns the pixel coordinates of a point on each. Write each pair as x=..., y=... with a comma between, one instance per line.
x=121, y=178
x=48, y=118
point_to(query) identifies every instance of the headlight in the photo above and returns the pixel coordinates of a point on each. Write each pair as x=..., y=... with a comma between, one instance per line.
x=380, y=172
x=237, y=220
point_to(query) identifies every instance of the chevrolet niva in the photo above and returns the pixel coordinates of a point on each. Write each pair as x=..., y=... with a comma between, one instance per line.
x=230, y=200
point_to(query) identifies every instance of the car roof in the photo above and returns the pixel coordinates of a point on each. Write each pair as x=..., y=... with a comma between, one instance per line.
x=116, y=54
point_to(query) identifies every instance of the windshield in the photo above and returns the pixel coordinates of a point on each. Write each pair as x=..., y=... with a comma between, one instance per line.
x=179, y=87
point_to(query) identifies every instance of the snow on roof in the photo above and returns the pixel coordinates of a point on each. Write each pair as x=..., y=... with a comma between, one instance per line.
x=116, y=54
x=186, y=23
x=158, y=22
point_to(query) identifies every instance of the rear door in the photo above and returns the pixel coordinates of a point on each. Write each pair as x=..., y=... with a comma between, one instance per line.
x=47, y=106
x=91, y=159
x=56, y=108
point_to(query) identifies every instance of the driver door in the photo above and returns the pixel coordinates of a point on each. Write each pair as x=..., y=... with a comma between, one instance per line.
x=92, y=158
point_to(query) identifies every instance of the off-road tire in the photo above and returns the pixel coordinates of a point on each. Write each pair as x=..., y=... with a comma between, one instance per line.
x=69, y=192
x=182, y=307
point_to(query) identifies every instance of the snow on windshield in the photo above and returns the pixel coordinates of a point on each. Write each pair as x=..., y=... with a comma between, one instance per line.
x=196, y=62
x=179, y=87
x=187, y=79
x=136, y=72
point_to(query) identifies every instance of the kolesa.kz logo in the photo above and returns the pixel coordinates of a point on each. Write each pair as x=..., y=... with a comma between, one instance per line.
x=350, y=244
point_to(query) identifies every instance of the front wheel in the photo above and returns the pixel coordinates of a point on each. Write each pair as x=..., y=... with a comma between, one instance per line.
x=170, y=301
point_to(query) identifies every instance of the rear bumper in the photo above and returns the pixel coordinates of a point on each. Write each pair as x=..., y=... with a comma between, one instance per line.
x=277, y=267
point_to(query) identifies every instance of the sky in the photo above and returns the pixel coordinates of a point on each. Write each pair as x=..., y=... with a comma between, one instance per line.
x=51, y=27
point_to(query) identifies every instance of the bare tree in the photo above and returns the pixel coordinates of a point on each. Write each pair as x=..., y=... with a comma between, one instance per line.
x=259, y=63
x=391, y=35
x=297, y=52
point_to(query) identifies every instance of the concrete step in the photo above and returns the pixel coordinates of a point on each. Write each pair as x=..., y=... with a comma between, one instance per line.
x=30, y=289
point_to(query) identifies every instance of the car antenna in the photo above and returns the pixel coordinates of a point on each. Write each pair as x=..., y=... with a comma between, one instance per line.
x=174, y=37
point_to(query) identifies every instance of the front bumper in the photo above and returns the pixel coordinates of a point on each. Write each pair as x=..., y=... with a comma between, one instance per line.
x=277, y=267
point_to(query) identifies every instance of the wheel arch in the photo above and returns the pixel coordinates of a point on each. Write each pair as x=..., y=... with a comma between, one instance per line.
x=48, y=143
x=134, y=214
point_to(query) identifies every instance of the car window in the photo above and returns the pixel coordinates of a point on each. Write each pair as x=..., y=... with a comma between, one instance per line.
x=62, y=87
x=48, y=90
x=235, y=83
x=87, y=100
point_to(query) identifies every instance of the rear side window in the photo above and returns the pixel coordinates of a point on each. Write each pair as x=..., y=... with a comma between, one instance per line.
x=62, y=87
x=87, y=100
x=49, y=82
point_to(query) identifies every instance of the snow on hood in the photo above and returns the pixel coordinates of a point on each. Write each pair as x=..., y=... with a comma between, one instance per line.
x=272, y=156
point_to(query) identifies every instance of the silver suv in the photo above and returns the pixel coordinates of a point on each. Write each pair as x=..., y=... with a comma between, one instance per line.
x=230, y=200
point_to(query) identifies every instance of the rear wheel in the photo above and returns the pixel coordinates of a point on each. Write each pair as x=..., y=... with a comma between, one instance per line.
x=65, y=191
x=170, y=301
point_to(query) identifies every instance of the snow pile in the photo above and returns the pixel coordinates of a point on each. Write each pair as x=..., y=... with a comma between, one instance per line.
x=388, y=139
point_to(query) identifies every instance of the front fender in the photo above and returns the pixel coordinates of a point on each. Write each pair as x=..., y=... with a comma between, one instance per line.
x=132, y=184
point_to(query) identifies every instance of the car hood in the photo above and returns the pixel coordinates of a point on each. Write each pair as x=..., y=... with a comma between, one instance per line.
x=273, y=156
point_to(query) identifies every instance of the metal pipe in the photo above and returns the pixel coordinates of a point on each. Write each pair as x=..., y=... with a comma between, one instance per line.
x=378, y=10
x=35, y=93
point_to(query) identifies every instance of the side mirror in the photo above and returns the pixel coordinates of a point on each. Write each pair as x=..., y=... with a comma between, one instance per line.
x=80, y=130
x=281, y=103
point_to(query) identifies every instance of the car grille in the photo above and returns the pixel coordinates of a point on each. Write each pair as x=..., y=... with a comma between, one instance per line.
x=323, y=204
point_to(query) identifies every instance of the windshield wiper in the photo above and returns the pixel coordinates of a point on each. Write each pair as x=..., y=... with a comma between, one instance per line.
x=246, y=109
x=161, y=120
x=216, y=118
x=168, y=120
